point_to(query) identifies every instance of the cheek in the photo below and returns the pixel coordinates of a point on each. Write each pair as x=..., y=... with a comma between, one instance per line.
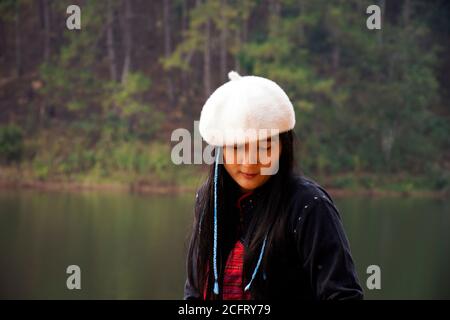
x=262, y=179
x=229, y=158
x=232, y=169
x=273, y=156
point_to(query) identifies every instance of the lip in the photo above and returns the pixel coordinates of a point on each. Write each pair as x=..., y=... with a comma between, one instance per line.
x=248, y=175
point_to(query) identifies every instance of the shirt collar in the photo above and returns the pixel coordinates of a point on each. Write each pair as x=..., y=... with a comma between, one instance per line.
x=248, y=201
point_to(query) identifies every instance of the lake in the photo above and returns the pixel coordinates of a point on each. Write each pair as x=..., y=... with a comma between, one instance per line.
x=132, y=246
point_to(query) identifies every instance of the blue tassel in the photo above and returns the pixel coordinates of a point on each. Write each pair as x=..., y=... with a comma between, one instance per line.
x=216, y=169
x=255, y=271
x=216, y=287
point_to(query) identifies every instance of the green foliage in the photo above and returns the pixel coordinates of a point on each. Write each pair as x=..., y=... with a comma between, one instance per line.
x=11, y=143
x=367, y=102
x=220, y=14
x=363, y=99
x=124, y=108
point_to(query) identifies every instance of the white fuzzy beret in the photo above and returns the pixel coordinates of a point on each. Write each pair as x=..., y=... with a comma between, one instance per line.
x=244, y=103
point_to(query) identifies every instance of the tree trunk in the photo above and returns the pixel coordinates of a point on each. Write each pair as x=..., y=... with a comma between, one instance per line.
x=207, y=60
x=184, y=26
x=275, y=15
x=242, y=30
x=127, y=41
x=380, y=32
x=47, y=28
x=18, y=41
x=244, y=35
x=223, y=45
x=406, y=12
x=184, y=15
x=237, y=66
x=335, y=58
x=168, y=47
x=110, y=43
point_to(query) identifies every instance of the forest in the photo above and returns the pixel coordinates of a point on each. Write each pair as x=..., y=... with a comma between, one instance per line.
x=97, y=106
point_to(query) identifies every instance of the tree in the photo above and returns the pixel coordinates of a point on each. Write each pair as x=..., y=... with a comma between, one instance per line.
x=110, y=40
x=127, y=39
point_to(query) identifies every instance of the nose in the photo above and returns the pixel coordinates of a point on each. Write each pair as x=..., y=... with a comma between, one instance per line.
x=250, y=154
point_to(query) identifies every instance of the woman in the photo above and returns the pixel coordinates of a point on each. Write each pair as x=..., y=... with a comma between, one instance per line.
x=255, y=235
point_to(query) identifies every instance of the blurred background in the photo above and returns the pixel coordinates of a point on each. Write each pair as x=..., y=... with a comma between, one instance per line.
x=86, y=116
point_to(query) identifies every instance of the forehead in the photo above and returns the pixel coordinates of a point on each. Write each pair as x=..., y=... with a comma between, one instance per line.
x=264, y=141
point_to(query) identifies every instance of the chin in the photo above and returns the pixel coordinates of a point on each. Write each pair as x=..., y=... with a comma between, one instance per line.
x=248, y=185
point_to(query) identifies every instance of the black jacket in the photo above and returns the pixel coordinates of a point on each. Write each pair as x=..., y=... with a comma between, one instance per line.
x=316, y=263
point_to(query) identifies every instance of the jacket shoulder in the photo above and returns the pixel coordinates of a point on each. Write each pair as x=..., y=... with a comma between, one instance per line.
x=305, y=190
x=308, y=197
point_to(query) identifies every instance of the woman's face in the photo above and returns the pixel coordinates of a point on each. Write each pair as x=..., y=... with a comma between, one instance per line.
x=244, y=162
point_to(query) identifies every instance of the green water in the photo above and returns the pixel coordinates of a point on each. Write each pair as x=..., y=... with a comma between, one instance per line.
x=132, y=246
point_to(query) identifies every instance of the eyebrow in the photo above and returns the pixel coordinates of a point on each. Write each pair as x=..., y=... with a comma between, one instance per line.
x=269, y=140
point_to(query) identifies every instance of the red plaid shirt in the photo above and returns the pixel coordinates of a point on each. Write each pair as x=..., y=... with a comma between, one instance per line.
x=232, y=279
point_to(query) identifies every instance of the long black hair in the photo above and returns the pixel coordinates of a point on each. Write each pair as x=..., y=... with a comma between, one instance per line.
x=269, y=218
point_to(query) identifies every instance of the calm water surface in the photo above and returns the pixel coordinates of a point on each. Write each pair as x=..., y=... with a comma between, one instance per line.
x=132, y=246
